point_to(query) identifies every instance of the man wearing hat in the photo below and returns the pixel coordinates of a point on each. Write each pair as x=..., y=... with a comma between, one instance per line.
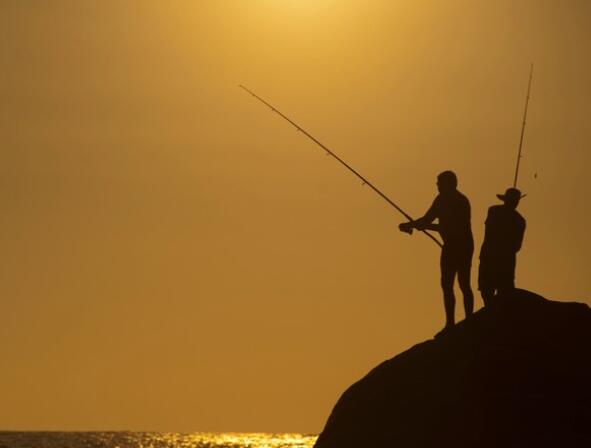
x=503, y=235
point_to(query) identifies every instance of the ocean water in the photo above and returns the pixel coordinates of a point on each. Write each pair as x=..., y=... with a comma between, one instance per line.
x=152, y=440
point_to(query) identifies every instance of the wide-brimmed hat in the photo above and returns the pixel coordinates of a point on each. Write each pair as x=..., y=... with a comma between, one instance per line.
x=512, y=194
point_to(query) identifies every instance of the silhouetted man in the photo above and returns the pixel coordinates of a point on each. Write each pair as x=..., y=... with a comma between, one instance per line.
x=503, y=236
x=452, y=210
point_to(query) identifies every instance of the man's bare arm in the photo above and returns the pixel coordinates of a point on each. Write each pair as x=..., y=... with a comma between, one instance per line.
x=432, y=226
x=425, y=222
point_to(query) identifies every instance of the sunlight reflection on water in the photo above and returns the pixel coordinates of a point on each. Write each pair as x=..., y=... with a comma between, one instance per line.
x=153, y=440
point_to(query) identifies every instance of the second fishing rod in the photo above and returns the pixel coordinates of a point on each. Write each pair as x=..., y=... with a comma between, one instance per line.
x=342, y=162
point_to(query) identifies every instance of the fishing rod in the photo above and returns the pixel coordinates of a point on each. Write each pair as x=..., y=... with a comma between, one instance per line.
x=531, y=73
x=341, y=161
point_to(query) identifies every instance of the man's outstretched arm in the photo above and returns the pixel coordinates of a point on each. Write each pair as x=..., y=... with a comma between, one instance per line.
x=425, y=222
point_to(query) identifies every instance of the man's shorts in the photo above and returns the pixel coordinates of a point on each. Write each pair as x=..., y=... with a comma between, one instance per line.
x=454, y=259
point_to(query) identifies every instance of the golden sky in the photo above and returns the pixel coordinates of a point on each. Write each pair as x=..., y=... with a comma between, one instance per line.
x=176, y=257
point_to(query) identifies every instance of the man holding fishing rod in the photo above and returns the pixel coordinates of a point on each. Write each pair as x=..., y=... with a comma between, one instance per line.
x=503, y=235
x=452, y=210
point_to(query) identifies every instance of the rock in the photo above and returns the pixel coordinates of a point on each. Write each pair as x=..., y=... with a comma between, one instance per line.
x=516, y=374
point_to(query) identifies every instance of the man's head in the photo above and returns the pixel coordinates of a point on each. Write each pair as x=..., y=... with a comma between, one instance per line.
x=447, y=182
x=511, y=197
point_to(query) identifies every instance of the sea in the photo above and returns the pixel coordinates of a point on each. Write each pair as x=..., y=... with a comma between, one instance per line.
x=153, y=440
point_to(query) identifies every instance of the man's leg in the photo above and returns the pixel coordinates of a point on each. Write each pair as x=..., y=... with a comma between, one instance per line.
x=464, y=281
x=448, y=274
x=485, y=284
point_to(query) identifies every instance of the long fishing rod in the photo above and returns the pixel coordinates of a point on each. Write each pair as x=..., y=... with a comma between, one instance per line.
x=345, y=164
x=531, y=73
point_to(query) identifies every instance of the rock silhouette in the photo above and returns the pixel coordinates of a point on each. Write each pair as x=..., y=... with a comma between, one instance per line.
x=516, y=374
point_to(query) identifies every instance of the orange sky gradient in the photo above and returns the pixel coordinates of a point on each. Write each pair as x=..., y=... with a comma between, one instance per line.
x=178, y=258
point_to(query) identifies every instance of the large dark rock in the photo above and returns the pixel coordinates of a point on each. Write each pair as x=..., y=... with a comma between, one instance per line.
x=517, y=374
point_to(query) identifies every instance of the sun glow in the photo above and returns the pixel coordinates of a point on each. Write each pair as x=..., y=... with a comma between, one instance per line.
x=231, y=440
x=302, y=9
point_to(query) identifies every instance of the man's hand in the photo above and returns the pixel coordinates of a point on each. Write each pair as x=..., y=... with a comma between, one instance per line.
x=406, y=227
